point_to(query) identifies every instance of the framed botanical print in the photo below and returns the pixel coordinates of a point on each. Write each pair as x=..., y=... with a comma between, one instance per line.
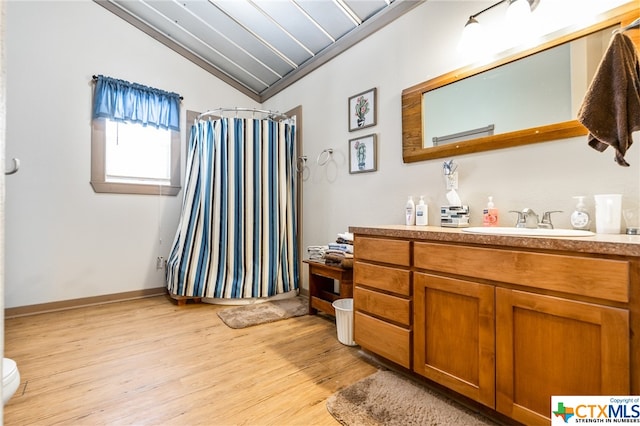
x=362, y=110
x=362, y=154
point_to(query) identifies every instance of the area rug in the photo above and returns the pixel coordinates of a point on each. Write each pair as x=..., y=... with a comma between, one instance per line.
x=387, y=398
x=261, y=313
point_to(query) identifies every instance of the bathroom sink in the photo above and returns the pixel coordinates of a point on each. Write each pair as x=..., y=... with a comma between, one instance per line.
x=530, y=232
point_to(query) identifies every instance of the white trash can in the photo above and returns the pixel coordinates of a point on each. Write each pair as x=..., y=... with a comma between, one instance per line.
x=344, y=321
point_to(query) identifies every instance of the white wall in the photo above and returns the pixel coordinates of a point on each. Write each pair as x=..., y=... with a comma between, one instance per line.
x=419, y=46
x=64, y=241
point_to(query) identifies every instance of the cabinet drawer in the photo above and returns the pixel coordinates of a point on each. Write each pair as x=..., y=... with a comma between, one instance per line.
x=384, y=339
x=389, y=307
x=396, y=252
x=593, y=277
x=382, y=277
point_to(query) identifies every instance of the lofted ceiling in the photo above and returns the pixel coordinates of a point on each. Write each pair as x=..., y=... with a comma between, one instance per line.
x=259, y=46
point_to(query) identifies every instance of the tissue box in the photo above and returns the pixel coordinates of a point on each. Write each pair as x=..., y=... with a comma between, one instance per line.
x=454, y=216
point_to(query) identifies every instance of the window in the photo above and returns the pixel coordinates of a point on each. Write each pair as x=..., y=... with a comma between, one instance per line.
x=129, y=158
x=137, y=154
x=135, y=139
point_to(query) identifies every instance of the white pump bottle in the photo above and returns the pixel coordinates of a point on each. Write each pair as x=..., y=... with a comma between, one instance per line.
x=422, y=213
x=410, y=212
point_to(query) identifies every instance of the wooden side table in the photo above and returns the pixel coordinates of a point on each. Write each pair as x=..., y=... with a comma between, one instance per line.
x=321, y=293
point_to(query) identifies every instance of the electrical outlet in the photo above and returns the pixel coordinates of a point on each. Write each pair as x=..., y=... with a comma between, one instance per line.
x=159, y=262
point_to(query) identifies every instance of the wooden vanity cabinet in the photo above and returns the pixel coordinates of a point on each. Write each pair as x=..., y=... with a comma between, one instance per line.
x=508, y=327
x=381, y=294
x=557, y=329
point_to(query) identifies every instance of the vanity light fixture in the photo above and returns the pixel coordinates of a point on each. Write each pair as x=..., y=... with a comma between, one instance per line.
x=517, y=10
x=472, y=36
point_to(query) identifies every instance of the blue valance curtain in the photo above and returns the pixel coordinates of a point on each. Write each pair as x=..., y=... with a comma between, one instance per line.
x=120, y=100
x=237, y=232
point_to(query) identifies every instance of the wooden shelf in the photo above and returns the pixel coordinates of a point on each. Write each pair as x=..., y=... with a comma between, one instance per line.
x=321, y=285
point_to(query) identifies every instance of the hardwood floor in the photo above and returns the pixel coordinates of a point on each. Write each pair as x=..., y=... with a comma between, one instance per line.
x=149, y=361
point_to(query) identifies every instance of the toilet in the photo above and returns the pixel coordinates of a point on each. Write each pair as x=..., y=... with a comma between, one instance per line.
x=10, y=379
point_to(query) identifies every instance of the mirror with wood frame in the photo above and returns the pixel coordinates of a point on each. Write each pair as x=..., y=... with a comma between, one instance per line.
x=415, y=118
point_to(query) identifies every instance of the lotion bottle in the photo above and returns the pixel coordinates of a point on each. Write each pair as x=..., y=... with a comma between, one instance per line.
x=580, y=217
x=410, y=212
x=490, y=214
x=422, y=213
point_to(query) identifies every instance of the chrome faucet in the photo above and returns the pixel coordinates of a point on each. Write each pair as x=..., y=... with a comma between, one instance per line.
x=546, y=219
x=528, y=213
x=525, y=216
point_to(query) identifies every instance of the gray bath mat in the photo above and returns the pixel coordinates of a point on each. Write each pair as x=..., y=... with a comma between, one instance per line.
x=261, y=313
x=386, y=398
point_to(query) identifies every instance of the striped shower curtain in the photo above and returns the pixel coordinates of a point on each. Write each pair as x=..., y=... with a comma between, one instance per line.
x=237, y=232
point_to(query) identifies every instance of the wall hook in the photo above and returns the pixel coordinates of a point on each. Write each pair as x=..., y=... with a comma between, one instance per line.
x=324, y=159
x=16, y=166
x=301, y=163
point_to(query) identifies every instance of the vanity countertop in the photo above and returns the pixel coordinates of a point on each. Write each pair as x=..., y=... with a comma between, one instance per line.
x=618, y=244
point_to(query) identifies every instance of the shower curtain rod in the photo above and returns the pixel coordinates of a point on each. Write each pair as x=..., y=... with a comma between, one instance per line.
x=269, y=113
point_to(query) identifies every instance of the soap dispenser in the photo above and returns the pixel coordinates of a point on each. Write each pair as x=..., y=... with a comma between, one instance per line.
x=422, y=213
x=580, y=217
x=410, y=212
x=490, y=214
